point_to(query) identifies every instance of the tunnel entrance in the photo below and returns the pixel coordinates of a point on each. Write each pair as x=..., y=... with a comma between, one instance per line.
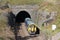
x=20, y=18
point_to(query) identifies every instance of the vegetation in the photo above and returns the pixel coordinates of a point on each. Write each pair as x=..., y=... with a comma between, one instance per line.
x=22, y=2
x=1, y=38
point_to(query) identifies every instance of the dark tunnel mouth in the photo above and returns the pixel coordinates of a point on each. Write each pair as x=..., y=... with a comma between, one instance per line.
x=20, y=17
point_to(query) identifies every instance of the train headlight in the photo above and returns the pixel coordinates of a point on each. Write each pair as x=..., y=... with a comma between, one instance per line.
x=32, y=28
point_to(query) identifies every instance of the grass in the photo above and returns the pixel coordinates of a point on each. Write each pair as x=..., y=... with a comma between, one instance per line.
x=22, y=2
x=1, y=38
x=52, y=7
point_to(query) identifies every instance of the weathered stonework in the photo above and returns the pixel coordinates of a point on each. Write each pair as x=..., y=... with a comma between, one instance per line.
x=31, y=9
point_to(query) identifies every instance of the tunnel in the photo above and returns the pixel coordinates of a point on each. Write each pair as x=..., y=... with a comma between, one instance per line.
x=20, y=17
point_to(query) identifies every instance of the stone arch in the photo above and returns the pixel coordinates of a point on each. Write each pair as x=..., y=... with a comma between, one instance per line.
x=20, y=17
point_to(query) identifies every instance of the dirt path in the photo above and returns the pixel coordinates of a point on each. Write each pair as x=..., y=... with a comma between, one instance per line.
x=56, y=37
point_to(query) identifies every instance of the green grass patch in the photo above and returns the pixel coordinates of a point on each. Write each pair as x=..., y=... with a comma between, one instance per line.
x=22, y=2
x=1, y=38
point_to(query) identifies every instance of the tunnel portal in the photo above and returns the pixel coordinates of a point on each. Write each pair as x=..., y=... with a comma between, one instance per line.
x=20, y=17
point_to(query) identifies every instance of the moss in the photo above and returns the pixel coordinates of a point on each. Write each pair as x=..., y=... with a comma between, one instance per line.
x=1, y=38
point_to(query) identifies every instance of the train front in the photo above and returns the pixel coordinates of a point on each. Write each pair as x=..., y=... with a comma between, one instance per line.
x=32, y=28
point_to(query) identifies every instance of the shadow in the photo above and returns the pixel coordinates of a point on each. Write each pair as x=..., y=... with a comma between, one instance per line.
x=38, y=31
x=12, y=24
x=11, y=20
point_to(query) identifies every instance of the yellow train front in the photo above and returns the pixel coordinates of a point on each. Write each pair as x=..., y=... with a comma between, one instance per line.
x=31, y=27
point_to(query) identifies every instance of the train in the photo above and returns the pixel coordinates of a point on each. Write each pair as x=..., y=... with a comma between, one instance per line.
x=32, y=28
